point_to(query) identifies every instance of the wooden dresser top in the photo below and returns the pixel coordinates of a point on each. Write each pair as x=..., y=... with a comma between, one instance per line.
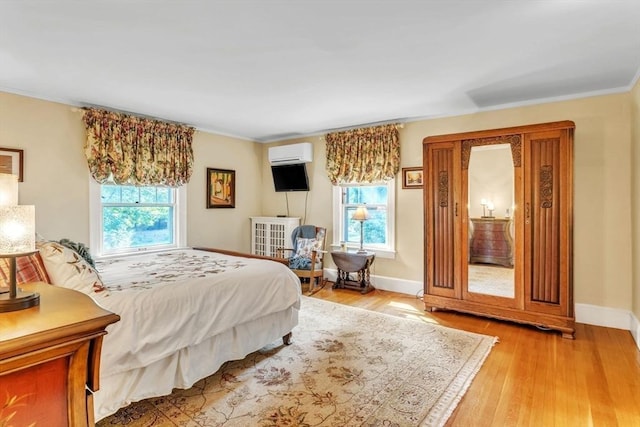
x=62, y=313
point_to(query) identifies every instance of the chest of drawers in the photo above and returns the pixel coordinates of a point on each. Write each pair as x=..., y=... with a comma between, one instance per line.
x=491, y=242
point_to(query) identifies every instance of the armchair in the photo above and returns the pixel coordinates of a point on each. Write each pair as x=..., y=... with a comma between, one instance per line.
x=306, y=257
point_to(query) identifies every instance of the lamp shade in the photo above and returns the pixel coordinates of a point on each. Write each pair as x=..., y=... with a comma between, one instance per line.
x=17, y=229
x=361, y=214
x=8, y=189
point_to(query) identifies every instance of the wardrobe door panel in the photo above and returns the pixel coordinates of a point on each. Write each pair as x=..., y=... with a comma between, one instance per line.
x=442, y=210
x=547, y=199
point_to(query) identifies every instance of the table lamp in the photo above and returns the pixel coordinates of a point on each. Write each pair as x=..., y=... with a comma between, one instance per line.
x=361, y=214
x=17, y=238
x=8, y=189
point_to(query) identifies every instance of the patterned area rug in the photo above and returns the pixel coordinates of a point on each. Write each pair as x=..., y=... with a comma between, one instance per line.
x=346, y=367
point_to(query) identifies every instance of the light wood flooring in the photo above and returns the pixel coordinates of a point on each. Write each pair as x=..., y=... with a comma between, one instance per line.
x=532, y=377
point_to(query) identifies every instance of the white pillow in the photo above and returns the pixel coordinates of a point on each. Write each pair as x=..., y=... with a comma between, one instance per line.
x=68, y=269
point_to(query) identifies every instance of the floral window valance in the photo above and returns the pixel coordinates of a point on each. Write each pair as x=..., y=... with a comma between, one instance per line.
x=363, y=155
x=137, y=151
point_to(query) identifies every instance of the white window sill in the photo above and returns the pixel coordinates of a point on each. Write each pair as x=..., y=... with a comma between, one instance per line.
x=134, y=253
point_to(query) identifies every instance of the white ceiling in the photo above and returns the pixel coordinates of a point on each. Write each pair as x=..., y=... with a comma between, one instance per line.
x=270, y=70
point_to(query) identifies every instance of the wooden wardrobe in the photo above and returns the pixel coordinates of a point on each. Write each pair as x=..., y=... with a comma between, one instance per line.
x=520, y=177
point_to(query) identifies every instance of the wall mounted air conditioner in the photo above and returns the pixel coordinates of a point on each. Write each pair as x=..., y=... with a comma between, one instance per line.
x=290, y=154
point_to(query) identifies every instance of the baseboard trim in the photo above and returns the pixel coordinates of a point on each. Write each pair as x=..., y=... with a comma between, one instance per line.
x=585, y=313
x=635, y=329
x=392, y=284
x=604, y=316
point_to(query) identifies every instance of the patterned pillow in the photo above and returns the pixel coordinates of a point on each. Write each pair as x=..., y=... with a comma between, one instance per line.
x=28, y=269
x=79, y=248
x=68, y=269
x=306, y=246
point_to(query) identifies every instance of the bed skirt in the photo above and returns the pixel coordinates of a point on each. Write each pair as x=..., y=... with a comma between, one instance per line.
x=189, y=365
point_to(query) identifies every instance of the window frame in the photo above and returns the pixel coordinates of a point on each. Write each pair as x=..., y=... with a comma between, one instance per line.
x=383, y=251
x=95, y=224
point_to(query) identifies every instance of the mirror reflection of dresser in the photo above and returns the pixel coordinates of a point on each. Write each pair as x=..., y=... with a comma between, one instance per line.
x=491, y=241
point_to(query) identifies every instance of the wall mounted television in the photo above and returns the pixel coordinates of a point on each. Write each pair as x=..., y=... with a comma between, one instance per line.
x=290, y=177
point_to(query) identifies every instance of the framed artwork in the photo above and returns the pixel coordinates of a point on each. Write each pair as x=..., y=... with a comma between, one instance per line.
x=221, y=188
x=412, y=177
x=11, y=162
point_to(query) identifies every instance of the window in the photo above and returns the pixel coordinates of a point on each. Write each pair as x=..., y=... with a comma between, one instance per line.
x=127, y=219
x=378, y=230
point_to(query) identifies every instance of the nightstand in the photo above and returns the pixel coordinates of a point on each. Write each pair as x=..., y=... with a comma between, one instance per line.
x=50, y=358
x=353, y=262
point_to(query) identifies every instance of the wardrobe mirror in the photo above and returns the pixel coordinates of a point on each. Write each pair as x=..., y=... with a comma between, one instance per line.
x=491, y=228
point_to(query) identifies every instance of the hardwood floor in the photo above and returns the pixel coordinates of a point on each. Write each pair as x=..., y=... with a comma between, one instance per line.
x=532, y=377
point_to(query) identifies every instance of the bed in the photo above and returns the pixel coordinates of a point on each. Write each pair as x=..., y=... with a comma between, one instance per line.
x=183, y=314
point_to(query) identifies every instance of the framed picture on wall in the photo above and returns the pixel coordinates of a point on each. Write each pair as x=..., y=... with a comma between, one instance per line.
x=412, y=177
x=221, y=188
x=11, y=162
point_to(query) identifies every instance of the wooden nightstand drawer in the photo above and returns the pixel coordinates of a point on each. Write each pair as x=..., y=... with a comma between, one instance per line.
x=50, y=358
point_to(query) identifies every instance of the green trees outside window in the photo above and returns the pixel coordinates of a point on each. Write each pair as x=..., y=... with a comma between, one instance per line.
x=135, y=217
x=375, y=199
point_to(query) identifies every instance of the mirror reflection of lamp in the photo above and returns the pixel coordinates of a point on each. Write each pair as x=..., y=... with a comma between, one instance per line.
x=361, y=214
x=17, y=239
x=490, y=208
x=487, y=205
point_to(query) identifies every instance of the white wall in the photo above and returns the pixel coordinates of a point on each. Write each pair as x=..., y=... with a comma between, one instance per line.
x=55, y=169
x=635, y=212
x=226, y=228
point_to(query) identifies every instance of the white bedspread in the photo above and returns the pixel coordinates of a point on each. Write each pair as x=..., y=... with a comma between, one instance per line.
x=171, y=300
